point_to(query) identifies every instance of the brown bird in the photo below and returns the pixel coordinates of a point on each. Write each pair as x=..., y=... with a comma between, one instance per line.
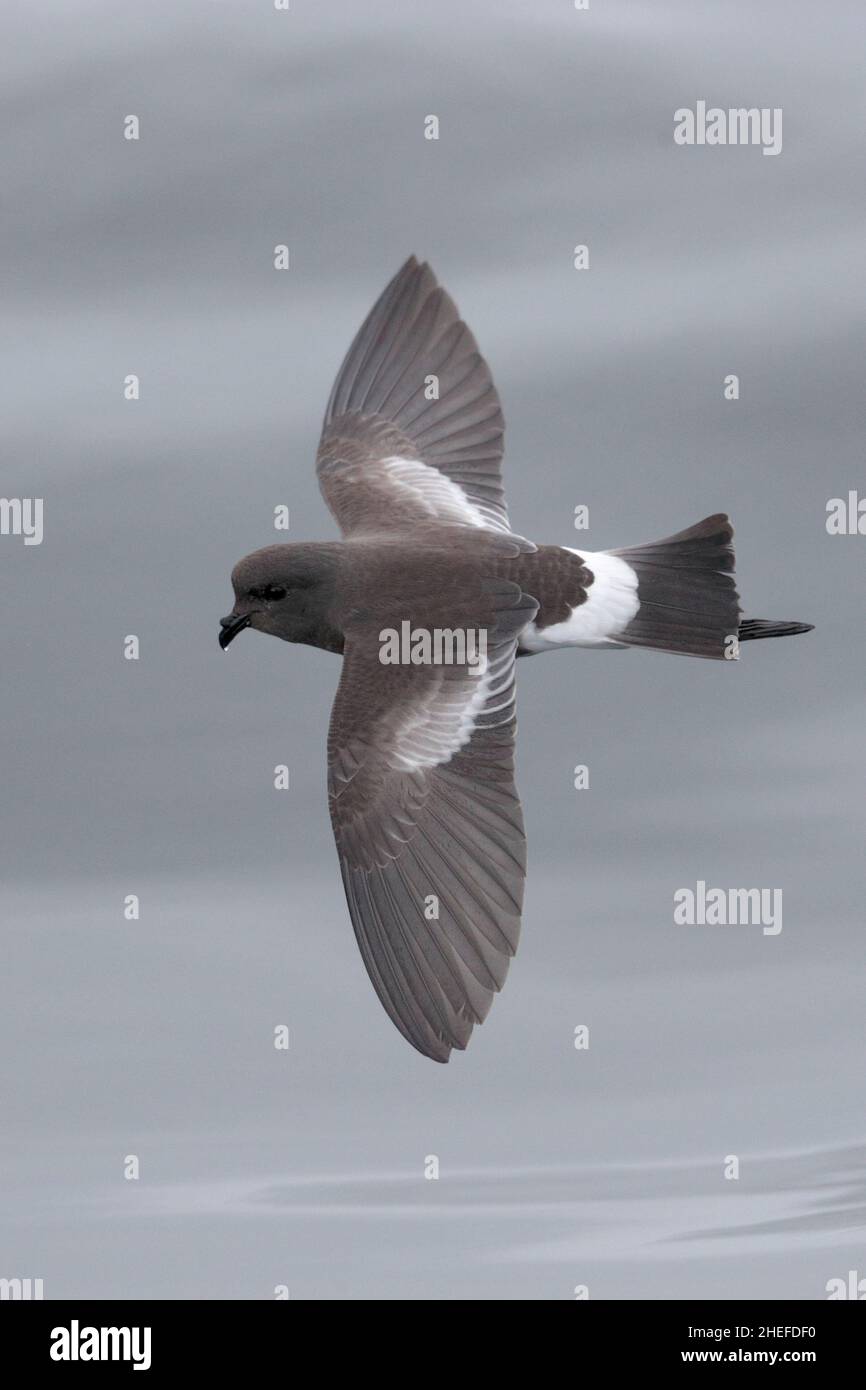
x=429, y=598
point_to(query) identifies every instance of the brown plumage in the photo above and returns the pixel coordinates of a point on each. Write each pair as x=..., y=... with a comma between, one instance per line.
x=426, y=817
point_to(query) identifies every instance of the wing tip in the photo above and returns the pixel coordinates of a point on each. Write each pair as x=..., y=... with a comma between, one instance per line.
x=418, y=267
x=442, y=1054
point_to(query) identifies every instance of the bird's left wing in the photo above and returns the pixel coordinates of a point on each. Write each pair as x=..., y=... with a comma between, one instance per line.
x=429, y=828
x=413, y=431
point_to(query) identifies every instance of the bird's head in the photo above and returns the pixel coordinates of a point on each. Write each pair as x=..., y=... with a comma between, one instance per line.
x=283, y=590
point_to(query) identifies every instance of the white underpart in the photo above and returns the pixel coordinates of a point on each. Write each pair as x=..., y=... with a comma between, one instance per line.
x=610, y=604
x=444, y=499
x=444, y=720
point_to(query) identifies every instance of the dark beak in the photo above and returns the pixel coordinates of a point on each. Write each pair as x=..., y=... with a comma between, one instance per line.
x=231, y=626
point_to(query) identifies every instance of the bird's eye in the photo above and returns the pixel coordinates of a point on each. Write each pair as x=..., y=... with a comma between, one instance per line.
x=272, y=592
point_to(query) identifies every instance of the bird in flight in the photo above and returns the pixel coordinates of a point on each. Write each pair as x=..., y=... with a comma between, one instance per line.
x=424, y=808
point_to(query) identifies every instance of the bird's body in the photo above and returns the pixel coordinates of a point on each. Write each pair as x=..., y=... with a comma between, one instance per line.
x=429, y=599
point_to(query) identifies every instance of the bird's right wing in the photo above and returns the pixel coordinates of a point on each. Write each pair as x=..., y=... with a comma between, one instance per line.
x=413, y=431
x=429, y=829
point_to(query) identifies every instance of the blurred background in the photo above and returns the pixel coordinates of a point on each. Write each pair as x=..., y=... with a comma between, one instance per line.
x=602, y=1167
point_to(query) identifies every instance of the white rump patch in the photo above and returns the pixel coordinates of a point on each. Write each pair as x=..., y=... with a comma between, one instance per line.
x=610, y=604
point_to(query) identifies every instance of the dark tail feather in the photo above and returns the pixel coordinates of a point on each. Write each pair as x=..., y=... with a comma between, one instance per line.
x=753, y=628
x=688, y=598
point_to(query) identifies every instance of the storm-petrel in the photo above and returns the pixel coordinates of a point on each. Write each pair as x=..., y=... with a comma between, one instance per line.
x=425, y=812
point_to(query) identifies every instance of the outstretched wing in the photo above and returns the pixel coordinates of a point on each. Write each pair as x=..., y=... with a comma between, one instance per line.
x=413, y=432
x=429, y=828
